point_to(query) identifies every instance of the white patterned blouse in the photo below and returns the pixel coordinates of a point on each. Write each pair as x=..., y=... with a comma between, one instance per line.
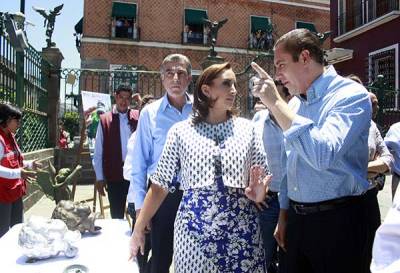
x=195, y=151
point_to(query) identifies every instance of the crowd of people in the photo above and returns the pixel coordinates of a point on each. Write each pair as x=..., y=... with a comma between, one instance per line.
x=293, y=190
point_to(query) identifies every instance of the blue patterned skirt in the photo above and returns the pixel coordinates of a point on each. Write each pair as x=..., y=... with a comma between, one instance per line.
x=217, y=230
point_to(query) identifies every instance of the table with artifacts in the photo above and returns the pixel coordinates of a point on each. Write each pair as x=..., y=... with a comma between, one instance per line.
x=105, y=250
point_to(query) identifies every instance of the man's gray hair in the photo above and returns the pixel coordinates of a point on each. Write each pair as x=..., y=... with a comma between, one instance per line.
x=177, y=58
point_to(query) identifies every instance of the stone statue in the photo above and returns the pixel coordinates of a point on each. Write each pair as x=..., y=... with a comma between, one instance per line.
x=49, y=20
x=42, y=238
x=214, y=26
x=54, y=185
x=77, y=216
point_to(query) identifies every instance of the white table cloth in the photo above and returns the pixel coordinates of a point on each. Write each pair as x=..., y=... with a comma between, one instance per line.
x=105, y=252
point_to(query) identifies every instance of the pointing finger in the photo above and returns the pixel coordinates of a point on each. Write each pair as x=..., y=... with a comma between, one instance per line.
x=261, y=72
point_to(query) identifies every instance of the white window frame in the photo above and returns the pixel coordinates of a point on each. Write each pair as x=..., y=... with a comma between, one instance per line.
x=396, y=67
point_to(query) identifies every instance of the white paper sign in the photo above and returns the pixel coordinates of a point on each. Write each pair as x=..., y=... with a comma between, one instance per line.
x=101, y=101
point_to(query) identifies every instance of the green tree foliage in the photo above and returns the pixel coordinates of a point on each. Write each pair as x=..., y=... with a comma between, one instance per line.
x=71, y=123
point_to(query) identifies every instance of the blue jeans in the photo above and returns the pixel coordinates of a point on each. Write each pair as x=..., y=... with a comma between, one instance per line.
x=268, y=221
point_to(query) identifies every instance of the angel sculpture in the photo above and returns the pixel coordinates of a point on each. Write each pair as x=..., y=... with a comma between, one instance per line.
x=55, y=186
x=49, y=20
x=214, y=26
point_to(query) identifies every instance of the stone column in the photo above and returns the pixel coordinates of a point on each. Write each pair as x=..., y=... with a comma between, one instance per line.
x=54, y=57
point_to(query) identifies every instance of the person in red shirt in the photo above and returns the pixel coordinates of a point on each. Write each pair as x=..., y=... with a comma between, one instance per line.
x=64, y=137
x=14, y=171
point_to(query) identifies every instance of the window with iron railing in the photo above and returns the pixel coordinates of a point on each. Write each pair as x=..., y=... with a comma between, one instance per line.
x=383, y=64
x=355, y=13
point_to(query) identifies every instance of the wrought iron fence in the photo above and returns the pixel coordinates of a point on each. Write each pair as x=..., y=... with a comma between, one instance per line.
x=73, y=81
x=23, y=80
x=389, y=102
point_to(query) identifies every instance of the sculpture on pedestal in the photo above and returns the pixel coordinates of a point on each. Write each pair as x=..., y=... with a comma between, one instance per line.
x=49, y=20
x=214, y=26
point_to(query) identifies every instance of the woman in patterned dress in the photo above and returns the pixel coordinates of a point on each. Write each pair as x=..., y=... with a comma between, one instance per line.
x=220, y=163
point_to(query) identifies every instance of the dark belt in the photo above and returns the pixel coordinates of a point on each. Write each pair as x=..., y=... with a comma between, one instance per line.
x=310, y=208
x=272, y=194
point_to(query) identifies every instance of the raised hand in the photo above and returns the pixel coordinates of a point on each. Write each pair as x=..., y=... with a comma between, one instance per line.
x=258, y=184
x=36, y=164
x=264, y=86
x=27, y=174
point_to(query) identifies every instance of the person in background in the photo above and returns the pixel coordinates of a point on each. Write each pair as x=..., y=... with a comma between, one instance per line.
x=14, y=170
x=154, y=123
x=392, y=140
x=380, y=162
x=221, y=162
x=112, y=136
x=63, y=137
x=143, y=261
x=272, y=137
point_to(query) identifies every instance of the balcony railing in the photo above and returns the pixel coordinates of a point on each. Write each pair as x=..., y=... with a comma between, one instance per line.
x=365, y=13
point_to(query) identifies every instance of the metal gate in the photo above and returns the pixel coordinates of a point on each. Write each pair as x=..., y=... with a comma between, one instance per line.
x=23, y=83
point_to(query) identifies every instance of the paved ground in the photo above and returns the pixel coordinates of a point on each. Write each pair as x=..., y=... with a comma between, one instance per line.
x=44, y=207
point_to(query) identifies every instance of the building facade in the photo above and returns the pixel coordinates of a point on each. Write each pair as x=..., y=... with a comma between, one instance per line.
x=368, y=31
x=142, y=32
x=135, y=35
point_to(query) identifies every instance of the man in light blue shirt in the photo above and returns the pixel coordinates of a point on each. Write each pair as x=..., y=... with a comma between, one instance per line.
x=323, y=218
x=272, y=135
x=154, y=122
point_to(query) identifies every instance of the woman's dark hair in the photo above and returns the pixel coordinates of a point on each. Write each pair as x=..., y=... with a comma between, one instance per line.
x=8, y=112
x=202, y=103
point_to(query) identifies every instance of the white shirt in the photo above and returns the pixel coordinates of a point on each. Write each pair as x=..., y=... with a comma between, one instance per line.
x=125, y=133
x=386, y=249
x=128, y=167
x=392, y=140
x=193, y=150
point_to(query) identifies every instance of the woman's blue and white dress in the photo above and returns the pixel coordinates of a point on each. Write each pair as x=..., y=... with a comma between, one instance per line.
x=216, y=227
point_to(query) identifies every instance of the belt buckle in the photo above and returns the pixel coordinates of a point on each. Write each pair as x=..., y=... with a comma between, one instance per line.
x=298, y=209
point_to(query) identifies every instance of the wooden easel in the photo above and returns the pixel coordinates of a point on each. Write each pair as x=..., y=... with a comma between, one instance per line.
x=96, y=194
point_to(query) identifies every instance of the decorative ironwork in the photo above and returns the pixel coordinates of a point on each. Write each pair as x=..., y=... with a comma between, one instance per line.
x=23, y=83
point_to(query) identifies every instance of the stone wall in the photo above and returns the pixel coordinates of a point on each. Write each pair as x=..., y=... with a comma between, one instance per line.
x=33, y=193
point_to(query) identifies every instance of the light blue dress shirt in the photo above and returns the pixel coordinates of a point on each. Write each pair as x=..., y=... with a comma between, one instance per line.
x=154, y=123
x=272, y=136
x=392, y=140
x=327, y=143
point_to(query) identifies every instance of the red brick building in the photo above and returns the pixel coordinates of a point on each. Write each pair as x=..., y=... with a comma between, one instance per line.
x=368, y=33
x=143, y=32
